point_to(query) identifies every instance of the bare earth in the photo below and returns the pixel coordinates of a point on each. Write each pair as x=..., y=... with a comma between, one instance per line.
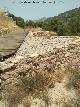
x=51, y=54
x=11, y=41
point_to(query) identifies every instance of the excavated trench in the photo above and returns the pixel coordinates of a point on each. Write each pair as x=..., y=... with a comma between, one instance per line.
x=13, y=49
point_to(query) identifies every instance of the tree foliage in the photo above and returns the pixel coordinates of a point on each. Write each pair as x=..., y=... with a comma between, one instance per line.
x=19, y=21
x=65, y=24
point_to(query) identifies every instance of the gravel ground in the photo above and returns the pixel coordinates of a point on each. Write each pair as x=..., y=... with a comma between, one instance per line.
x=43, y=54
x=34, y=46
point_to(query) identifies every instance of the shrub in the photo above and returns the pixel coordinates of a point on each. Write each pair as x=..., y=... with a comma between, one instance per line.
x=37, y=81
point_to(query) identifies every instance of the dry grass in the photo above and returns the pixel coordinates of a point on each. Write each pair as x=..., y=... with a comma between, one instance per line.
x=2, y=13
x=32, y=85
x=73, y=83
x=35, y=85
x=37, y=81
x=8, y=25
x=53, y=33
x=74, y=77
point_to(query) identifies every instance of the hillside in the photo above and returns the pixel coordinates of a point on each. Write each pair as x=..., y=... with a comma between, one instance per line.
x=69, y=14
x=11, y=35
x=62, y=16
x=65, y=24
x=39, y=68
x=44, y=72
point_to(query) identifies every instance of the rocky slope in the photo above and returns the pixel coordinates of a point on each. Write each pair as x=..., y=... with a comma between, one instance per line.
x=39, y=73
x=39, y=45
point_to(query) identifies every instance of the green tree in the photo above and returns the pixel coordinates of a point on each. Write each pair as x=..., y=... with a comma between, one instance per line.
x=19, y=21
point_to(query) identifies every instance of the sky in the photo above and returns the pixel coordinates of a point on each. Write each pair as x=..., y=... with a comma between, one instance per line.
x=38, y=10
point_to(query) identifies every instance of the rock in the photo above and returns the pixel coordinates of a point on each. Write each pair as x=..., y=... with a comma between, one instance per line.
x=40, y=55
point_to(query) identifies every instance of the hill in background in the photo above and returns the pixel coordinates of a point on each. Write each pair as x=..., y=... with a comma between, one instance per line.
x=65, y=24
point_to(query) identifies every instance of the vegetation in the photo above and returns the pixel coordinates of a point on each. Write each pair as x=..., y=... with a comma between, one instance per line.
x=73, y=83
x=67, y=23
x=74, y=78
x=35, y=85
x=19, y=21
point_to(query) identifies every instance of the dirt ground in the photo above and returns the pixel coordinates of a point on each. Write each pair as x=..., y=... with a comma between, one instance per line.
x=10, y=42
